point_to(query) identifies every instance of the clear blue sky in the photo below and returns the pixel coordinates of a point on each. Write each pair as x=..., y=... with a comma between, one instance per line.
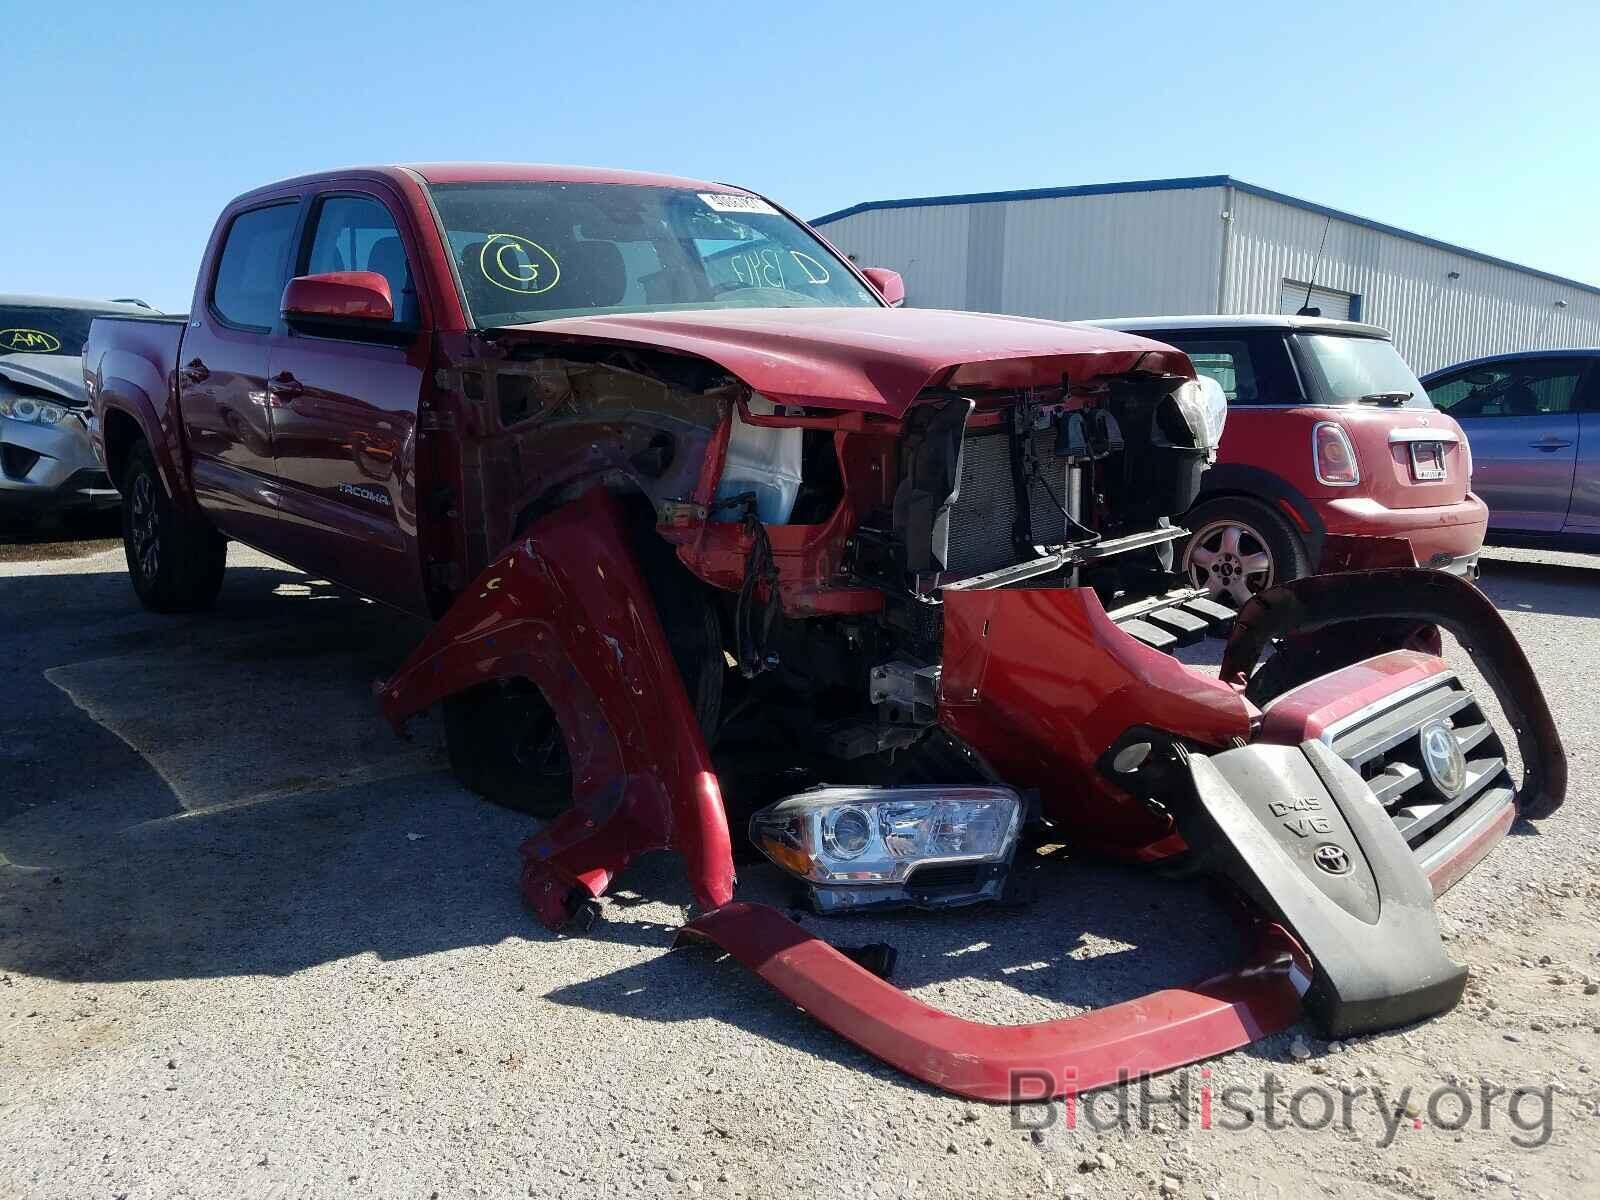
x=129, y=125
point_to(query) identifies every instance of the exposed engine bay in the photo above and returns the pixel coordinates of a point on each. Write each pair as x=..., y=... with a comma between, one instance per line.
x=897, y=639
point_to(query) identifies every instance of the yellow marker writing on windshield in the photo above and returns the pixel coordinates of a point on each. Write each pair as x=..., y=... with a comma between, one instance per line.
x=29, y=341
x=518, y=264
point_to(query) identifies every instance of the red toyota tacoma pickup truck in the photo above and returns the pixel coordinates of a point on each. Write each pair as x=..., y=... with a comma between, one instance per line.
x=708, y=525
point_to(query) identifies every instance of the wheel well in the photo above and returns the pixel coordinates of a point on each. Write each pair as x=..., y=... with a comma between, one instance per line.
x=1228, y=494
x=121, y=433
x=1285, y=513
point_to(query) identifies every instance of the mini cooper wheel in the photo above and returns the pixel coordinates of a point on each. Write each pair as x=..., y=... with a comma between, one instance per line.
x=1240, y=547
x=175, y=559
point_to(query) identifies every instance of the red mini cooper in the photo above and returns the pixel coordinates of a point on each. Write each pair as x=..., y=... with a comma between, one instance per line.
x=1332, y=457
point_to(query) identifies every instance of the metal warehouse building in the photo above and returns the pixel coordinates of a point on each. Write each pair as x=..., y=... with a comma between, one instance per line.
x=1211, y=244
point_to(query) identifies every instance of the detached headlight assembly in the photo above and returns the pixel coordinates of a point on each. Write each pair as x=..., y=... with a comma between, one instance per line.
x=31, y=409
x=862, y=846
x=1204, y=406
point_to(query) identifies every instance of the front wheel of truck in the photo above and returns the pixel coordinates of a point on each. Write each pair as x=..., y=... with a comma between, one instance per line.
x=175, y=559
x=506, y=744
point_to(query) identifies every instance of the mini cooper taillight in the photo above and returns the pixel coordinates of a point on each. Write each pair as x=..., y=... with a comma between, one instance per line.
x=1333, y=455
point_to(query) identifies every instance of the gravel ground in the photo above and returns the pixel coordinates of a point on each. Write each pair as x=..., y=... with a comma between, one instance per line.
x=251, y=944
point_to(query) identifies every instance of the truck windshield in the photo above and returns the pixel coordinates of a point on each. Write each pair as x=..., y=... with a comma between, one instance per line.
x=1341, y=369
x=536, y=251
x=38, y=329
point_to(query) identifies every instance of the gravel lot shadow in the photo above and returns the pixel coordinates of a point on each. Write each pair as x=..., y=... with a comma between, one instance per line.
x=61, y=536
x=1566, y=586
x=217, y=794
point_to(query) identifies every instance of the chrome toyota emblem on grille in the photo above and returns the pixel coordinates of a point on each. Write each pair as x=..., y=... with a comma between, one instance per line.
x=1441, y=755
x=1331, y=858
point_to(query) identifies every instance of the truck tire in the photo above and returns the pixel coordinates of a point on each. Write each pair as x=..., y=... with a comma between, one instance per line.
x=504, y=740
x=175, y=559
x=1237, y=547
x=506, y=745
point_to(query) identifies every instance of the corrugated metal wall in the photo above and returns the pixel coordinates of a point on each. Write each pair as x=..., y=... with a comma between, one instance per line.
x=1143, y=253
x=1065, y=258
x=927, y=245
x=1069, y=258
x=1404, y=285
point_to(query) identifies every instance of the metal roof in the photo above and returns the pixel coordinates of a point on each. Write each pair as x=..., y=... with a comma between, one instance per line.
x=1198, y=181
x=1240, y=321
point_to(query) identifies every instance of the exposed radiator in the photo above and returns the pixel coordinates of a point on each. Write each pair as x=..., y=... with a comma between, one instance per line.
x=986, y=509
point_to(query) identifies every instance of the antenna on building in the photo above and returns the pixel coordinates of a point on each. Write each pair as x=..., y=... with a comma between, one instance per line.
x=1305, y=309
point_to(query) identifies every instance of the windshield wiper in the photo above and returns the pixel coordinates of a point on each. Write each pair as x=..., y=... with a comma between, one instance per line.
x=1394, y=399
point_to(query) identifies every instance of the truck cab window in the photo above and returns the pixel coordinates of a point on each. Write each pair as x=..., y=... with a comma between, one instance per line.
x=254, y=267
x=356, y=233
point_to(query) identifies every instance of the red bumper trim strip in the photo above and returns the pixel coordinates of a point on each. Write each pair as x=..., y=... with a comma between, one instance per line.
x=1153, y=1033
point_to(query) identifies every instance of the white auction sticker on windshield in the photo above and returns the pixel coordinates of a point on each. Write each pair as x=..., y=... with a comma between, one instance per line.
x=728, y=202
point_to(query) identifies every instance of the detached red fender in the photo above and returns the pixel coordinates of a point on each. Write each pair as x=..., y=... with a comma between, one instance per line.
x=566, y=607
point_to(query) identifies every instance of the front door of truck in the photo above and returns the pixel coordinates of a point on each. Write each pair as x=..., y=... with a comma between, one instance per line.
x=345, y=411
x=222, y=371
x=1520, y=417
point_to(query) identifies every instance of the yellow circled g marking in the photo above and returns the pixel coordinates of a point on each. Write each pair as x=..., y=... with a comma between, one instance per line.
x=518, y=264
x=29, y=341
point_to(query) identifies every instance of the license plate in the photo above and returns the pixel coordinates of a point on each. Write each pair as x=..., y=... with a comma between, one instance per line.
x=1427, y=461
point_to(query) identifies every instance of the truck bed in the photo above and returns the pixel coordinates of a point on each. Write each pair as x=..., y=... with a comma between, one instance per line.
x=155, y=339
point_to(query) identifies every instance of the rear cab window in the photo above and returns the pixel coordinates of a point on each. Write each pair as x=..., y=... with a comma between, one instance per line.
x=1526, y=387
x=253, y=268
x=1341, y=369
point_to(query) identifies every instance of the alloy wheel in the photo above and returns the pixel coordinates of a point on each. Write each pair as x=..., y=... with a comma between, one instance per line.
x=1230, y=560
x=146, y=526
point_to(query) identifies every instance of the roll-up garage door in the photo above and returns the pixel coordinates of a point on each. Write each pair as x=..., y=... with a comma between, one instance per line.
x=1335, y=305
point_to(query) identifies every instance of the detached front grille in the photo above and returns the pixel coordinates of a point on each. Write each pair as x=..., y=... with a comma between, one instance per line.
x=986, y=509
x=1386, y=744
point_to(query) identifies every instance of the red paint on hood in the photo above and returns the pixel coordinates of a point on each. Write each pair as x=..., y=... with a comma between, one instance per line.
x=874, y=359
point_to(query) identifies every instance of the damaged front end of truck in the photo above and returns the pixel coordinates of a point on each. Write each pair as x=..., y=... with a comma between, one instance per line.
x=891, y=592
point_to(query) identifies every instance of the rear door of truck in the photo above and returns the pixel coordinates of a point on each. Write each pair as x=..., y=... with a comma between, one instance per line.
x=222, y=376
x=345, y=404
